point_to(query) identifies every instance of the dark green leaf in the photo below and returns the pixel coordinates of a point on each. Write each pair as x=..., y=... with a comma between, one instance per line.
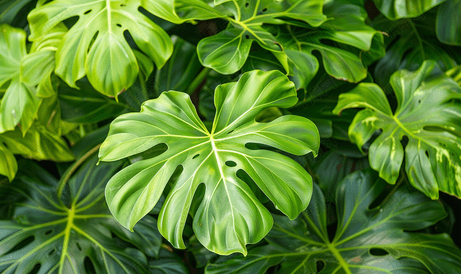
x=367, y=240
x=449, y=22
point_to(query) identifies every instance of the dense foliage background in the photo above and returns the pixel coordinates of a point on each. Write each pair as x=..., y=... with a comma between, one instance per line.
x=230, y=136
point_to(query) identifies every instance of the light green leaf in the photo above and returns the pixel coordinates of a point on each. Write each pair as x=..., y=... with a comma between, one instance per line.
x=229, y=216
x=448, y=22
x=396, y=9
x=227, y=51
x=8, y=164
x=426, y=114
x=367, y=240
x=95, y=45
x=38, y=143
x=37, y=67
x=455, y=73
x=19, y=104
x=65, y=226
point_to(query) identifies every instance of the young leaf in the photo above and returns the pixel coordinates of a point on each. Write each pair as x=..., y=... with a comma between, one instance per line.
x=95, y=46
x=229, y=216
x=62, y=226
x=367, y=240
x=227, y=51
x=19, y=104
x=426, y=114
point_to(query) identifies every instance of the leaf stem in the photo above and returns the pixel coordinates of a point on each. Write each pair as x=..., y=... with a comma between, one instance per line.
x=198, y=80
x=74, y=167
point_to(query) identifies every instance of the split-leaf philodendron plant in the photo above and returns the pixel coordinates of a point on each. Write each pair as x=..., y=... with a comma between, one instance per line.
x=230, y=136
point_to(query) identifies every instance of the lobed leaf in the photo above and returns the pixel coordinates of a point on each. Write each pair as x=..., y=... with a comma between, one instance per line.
x=367, y=240
x=95, y=45
x=427, y=113
x=229, y=216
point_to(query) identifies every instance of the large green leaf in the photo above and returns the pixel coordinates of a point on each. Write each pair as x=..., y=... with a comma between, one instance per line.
x=449, y=22
x=229, y=216
x=367, y=240
x=346, y=26
x=408, y=44
x=65, y=226
x=396, y=9
x=227, y=51
x=426, y=114
x=19, y=104
x=95, y=45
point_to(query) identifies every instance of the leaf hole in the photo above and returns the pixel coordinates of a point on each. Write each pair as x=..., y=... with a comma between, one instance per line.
x=23, y=243
x=404, y=141
x=419, y=101
x=247, y=36
x=247, y=5
x=119, y=25
x=36, y=269
x=378, y=252
x=52, y=251
x=195, y=156
x=89, y=266
x=48, y=232
x=231, y=163
x=79, y=247
x=427, y=153
x=320, y=265
x=264, y=10
x=230, y=132
x=86, y=12
x=122, y=5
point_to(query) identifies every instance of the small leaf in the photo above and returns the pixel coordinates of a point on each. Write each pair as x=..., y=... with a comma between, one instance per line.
x=229, y=216
x=8, y=164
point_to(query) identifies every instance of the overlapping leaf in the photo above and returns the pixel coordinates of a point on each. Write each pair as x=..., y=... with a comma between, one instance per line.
x=65, y=227
x=428, y=114
x=227, y=51
x=19, y=104
x=367, y=240
x=229, y=216
x=347, y=27
x=95, y=45
x=396, y=9
x=449, y=23
x=409, y=43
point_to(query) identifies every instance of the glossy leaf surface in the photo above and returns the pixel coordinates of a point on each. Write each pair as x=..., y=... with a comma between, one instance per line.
x=95, y=45
x=428, y=114
x=227, y=51
x=409, y=44
x=64, y=226
x=19, y=104
x=346, y=25
x=396, y=9
x=449, y=22
x=367, y=240
x=229, y=216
